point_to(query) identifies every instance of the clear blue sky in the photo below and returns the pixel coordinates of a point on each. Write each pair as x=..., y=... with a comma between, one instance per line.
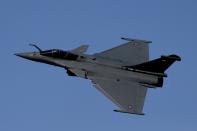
x=37, y=97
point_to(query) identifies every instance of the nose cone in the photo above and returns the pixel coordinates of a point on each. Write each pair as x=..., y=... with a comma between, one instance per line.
x=35, y=56
x=25, y=55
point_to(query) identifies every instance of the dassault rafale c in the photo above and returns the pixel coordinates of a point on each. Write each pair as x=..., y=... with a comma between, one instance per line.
x=123, y=74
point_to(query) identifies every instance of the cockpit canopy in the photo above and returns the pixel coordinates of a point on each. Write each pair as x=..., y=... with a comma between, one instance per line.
x=60, y=54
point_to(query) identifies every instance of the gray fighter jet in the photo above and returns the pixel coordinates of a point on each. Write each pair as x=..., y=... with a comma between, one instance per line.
x=123, y=74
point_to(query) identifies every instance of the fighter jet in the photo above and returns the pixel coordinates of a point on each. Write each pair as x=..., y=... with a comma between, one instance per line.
x=123, y=74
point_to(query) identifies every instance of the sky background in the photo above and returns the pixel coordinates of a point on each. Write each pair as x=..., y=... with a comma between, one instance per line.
x=37, y=97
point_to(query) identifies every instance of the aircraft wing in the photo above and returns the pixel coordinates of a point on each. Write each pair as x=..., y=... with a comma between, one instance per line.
x=131, y=53
x=128, y=96
x=81, y=49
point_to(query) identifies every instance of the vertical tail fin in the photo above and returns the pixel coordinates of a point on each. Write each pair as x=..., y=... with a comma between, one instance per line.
x=158, y=65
